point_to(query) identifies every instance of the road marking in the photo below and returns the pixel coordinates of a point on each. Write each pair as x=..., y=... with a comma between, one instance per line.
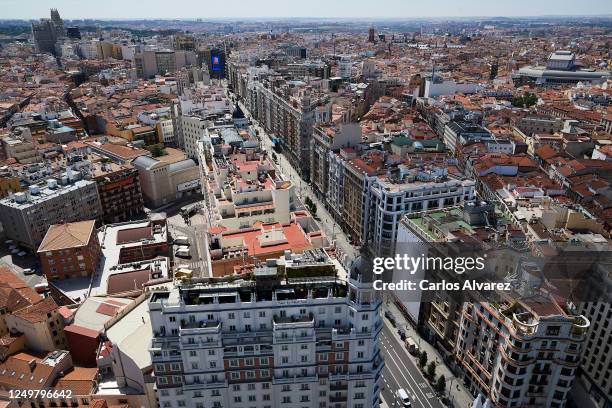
x=415, y=396
x=407, y=371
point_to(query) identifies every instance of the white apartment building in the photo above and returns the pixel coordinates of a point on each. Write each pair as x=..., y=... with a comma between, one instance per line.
x=275, y=342
x=413, y=190
x=26, y=216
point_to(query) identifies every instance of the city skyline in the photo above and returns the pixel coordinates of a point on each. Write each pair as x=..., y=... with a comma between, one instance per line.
x=387, y=9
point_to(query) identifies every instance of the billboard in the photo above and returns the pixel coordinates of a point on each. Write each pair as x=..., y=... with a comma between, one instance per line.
x=216, y=61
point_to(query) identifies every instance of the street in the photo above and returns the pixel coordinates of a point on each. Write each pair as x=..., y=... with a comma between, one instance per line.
x=401, y=372
x=347, y=252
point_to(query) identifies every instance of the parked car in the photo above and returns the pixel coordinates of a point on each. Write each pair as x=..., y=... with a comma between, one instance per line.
x=181, y=240
x=402, y=334
x=21, y=253
x=183, y=252
x=390, y=317
x=412, y=347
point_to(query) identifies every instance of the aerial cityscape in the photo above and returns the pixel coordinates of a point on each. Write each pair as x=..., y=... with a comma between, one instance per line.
x=277, y=205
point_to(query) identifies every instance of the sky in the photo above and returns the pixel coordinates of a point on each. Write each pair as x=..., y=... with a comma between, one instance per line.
x=142, y=9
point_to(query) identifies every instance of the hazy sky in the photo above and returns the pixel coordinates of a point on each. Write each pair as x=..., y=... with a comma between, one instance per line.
x=104, y=9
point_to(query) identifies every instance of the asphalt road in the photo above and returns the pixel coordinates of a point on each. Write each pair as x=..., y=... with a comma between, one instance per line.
x=195, y=231
x=401, y=372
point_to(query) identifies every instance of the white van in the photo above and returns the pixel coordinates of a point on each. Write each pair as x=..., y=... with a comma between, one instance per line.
x=402, y=395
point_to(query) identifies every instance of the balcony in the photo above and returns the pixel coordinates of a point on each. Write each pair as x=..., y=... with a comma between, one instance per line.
x=200, y=327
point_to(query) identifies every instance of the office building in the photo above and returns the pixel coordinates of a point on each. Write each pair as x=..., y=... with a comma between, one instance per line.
x=151, y=63
x=46, y=33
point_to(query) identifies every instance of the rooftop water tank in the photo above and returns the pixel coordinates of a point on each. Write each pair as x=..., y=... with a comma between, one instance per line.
x=52, y=183
x=20, y=197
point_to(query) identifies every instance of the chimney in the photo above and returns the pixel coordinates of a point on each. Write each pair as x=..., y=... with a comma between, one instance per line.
x=32, y=365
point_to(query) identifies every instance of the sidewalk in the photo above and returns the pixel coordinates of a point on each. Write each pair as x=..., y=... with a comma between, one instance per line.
x=460, y=397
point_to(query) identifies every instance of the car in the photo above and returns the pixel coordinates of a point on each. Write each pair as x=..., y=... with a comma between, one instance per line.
x=29, y=271
x=21, y=253
x=412, y=346
x=15, y=251
x=402, y=334
x=402, y=395
x=183, y=252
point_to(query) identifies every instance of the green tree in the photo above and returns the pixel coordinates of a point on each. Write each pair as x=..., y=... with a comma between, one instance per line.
x=527, y=100
x=431, y=370
x=441, y=384
x=423, y=359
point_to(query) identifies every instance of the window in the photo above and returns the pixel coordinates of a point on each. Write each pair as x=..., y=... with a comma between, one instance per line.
x=263, y=360
x=192, y=353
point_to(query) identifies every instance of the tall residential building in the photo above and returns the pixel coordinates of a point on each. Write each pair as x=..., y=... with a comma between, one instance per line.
x=26, y=216
x=328, y=138
x=297, y=336
x=119, y=190
x=521, y=352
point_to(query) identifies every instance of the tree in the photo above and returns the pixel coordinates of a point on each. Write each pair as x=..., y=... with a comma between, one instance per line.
x=527, y=100
x=431, y=371
x=423, y=359
x=441, y=384
x=274, y=156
